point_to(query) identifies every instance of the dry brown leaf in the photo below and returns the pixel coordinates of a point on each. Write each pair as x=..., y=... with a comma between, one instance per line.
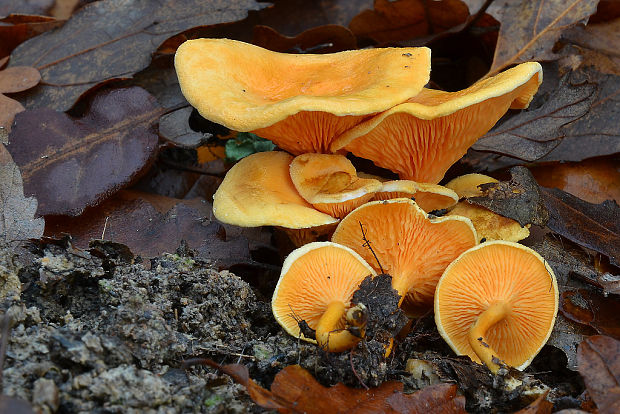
x=17, y=28
x=17, y=213
x=530, y=28
x=329, y=38
x=539, y=406
x=14, y=79
x=589, y=308
x=393, y=21
x=599, y=365
x=598, y=44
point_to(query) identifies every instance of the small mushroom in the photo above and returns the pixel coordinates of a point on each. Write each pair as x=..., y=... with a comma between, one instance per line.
x=411, y=247
x=299, y=101
x=429, y=197
x=497, y=302
x=422, y=137
x=489, y=225
x=316, y=286
x=258, y=191
x=330, y=183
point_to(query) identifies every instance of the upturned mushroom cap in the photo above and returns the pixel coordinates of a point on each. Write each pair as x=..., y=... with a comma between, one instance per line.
x=312, y=277
x=429, y=197
x=421, y=138
x=498, y=274
x=258, y=191
x=489, y=225
x=299, y=101
x=330, y=183
x=411, y=247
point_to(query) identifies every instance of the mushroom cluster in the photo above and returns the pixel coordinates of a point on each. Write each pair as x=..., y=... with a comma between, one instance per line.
x=373, y=103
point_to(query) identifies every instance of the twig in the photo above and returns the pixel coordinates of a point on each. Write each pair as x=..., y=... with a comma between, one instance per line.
x=367, y=244
x=355, y=372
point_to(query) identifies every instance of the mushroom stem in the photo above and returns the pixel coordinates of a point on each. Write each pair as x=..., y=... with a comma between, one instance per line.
x=330, y=339
x=492, y=315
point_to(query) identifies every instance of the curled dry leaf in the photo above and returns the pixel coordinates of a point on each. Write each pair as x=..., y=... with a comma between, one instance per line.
x=17, y=213
x=597, y=44
x=529, y=29
x=329, y=38
x=599, y=365
x=100, y=43
x=69, y=164
x=595, y=226
x=588, y=308
x=294, y=390
x=151, y=225
x=393, y=21
x=519, y=199
x=14, y=79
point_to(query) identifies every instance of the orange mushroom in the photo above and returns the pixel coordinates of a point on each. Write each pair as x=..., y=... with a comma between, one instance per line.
x=429, y=197
x=300, y=102
x=497, y=302
x=258, y=191
x=489, y=225
x=316, y=285
x=330, y=183
x=422, y=137
x=411, y=247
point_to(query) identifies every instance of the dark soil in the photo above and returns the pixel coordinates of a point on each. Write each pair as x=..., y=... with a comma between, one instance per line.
x=101, y=332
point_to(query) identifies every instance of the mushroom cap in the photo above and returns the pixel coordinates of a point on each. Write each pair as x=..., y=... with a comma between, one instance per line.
x=330, y=183
x=248, y=88
x=496, y=271
x=258, y=191
x=411, y=247
x=313, y=276
x=428, y=196
x=421, y=138
x=489, y=225
x=467, y=185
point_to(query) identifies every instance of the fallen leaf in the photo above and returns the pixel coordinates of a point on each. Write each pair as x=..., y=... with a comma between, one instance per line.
x=539, y=406
x=595, y=180
x=17, y=213
x=25, y=7
x=14, y=79
x=151, y=225
x=175, y=128
x=519, y=199
x=17, y=28
x=530, y=29
x=393, y=21
x=599, y=365
x=596, y=44
x=12, y=405
x=595, y=226
x=294, y=390
x=588, y=308
x=328, y=38
x=532, y=135
x=100, y=43
x=605, y=11
x=69, y=163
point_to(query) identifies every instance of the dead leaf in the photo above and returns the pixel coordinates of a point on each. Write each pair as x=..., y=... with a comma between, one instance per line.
x=539, y=406
x=17, y=213
x=393, y=21
x=595, y=226
x=100, y=43
x=294, y=390
x=15, y=79
x=596, y=43
x=519, y=199
x=530, y=29
x=328, y=38
x=25, y=7
x=69, y=164
x=594, y=180
x=605, y=11
x=533, y=135
x=599, y=365
x=175, y=127
x=17, y=28
x=151, y=225
x=12, y=405
x=588, y=308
